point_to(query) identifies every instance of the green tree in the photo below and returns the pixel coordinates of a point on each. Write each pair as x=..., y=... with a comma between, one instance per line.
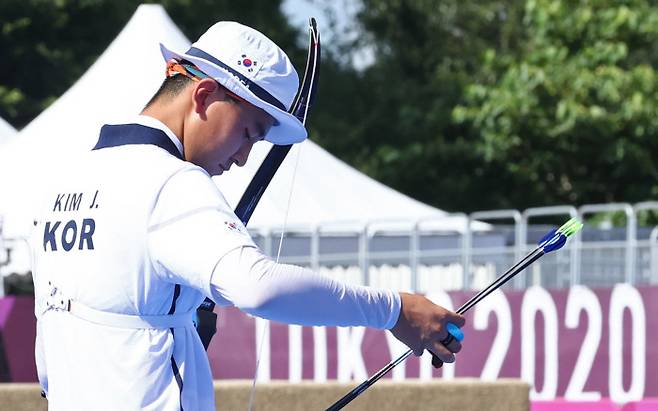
x=393, y=119
x=467, y=105
x=571, y=116
x=46, y=45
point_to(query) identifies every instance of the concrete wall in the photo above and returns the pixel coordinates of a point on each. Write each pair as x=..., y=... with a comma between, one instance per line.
x=460, y=394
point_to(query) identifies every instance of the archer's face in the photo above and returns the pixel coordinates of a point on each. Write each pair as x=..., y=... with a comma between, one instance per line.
x=222, y=131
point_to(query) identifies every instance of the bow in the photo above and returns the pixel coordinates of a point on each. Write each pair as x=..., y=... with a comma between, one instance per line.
x=300, y=108
x=206, y=318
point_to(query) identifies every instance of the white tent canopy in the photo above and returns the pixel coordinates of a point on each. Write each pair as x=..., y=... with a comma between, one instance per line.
x=115, y=87
x=313, y=187
x=6, y=131
x=118, y=85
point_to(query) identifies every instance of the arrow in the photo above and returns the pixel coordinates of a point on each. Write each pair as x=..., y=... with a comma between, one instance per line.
x=552, y=241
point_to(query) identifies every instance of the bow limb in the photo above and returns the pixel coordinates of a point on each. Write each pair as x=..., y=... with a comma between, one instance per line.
x=206, y=318
x=300, y=108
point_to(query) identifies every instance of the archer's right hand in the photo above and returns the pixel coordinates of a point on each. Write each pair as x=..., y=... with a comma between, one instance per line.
x=422, y=326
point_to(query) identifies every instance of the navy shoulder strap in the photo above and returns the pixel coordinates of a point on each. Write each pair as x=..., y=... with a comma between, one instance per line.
x=122, y=134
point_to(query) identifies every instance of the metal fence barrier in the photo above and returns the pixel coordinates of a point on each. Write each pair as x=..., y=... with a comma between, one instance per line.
x=422, y=256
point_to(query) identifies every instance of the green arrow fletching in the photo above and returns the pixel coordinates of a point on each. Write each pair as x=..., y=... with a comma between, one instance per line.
x=570, y=227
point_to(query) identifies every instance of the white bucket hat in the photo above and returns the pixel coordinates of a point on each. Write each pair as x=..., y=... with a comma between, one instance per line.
x=250, y=65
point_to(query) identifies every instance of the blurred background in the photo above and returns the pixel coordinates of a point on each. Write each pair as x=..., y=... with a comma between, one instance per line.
x=446, y=139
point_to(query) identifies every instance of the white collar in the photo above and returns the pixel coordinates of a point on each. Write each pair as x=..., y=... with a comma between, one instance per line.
x=155, y=123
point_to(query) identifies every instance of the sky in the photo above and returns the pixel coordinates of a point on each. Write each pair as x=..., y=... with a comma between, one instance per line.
x=299, y=11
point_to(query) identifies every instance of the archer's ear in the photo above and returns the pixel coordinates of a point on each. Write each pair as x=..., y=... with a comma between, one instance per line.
x=204, y=93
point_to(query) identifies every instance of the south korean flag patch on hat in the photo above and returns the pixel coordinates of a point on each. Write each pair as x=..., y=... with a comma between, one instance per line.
x=248, y=63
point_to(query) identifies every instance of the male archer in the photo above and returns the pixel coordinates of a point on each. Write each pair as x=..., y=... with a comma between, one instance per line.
x=136, y=235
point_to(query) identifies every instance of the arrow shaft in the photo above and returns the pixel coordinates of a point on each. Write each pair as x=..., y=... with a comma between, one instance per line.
x=505, y=277
x=499, y=282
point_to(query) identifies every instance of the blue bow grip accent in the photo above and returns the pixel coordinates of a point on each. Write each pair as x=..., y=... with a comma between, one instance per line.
x=455, y=332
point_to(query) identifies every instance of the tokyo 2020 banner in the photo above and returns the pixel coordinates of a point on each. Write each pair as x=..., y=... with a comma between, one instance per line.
x=579, y=343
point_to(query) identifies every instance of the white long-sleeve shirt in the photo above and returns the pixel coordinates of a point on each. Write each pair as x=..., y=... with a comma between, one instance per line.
x=295, y=295
x=134, y=230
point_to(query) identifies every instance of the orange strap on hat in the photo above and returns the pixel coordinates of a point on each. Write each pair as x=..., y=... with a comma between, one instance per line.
x=174, y=67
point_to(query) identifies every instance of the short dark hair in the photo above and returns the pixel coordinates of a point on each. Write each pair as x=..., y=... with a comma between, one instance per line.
x=170, y=88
